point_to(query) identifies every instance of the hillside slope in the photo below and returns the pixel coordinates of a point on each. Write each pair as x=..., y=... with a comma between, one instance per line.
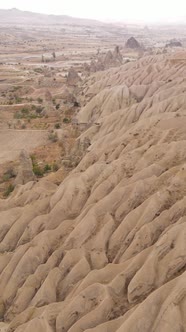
x=105, y=251
x=16, y=16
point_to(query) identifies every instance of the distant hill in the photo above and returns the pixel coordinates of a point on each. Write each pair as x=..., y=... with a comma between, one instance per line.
x=16, y=16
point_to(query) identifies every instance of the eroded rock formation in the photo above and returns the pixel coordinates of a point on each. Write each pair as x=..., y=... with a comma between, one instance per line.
x=73, y=78
x=25, y=171
x=105, y=251
x=132, y=43
x=109, y=60
x=174, y=43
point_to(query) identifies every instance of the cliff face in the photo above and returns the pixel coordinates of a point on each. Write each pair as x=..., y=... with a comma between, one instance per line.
x=105, y=251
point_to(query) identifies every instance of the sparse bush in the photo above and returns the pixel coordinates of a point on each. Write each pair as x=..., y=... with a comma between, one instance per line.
x=57, y=106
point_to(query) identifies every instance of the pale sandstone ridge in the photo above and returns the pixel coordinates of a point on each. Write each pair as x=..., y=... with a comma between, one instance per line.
x=105, y=251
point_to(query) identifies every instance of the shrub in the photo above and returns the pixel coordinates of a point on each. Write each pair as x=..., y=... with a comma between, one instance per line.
x=37, y=170
x=57, y=106
x=15, y=88
x=76, y=104
x=53, y=137
x=57, y=126
x=40, y=100
x=9, y=190
x=47, y=168
x=23, y=114
x=9, y=174
x=17, y=115
x=33, y=116
x=25, y=111
x=33, y=158
x=39, y=110
x=66, y=120
x=18, y=100
x=38, y=70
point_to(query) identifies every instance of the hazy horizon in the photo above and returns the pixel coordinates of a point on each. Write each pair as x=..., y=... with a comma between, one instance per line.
x=114, y=10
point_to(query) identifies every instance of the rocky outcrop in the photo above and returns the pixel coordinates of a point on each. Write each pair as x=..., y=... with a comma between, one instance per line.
x=132, y=43
x=25, y=172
